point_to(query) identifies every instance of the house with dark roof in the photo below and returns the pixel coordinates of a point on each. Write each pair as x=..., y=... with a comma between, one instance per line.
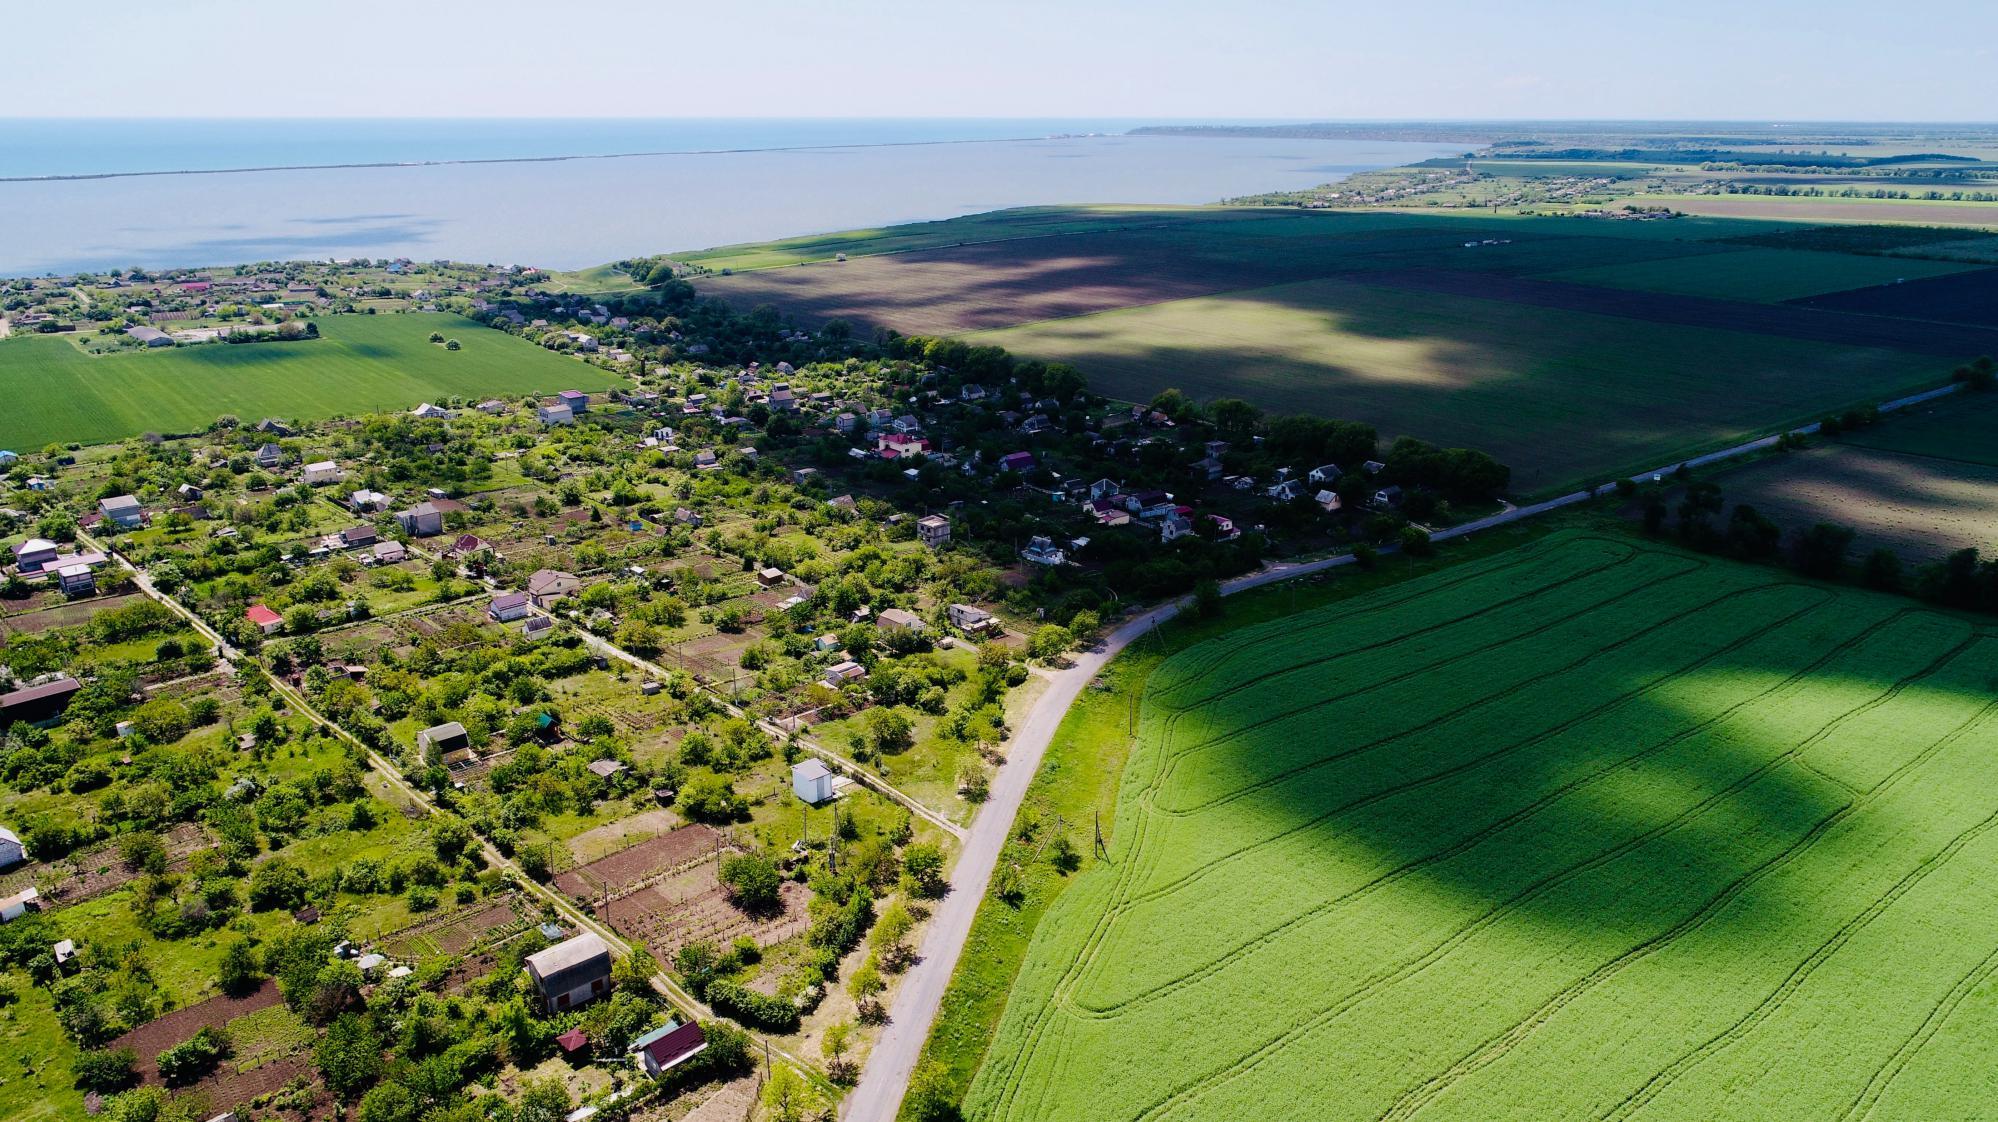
x=424, y=520
x=571, y=973
x=443, y=739
x=508, y=607
x=669, y=1046
x=37, y=704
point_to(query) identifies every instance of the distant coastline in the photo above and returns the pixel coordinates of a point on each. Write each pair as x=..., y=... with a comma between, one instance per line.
x=77, y=176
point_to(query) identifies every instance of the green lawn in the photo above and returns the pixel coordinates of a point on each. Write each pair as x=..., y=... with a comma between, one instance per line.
x=1765, y=275
x=362, y=363
x=1588, y=829
x=1563, y=397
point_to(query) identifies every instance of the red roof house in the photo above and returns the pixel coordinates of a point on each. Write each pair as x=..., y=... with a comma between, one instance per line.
x=266, y=620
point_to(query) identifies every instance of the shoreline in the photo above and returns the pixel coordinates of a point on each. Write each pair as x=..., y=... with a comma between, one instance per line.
x=81, y=176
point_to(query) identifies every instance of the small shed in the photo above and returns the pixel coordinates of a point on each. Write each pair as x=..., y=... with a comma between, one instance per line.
x=811, y=781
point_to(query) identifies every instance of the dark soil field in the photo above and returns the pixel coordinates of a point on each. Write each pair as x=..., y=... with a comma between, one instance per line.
x=161, y=1033
x=1812, y=320
x=648, y=858
x=1921, y=508
x=1961, y=298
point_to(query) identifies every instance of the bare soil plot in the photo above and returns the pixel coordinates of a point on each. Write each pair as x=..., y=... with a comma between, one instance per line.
x=627, y=867
x=52, y=612
x=692, y=905
x=1961, y=298
x=453, y=932
x=1836, y=210
x=161, y=1033
x=590, y=845
x=86, y=876
x=1920, y=507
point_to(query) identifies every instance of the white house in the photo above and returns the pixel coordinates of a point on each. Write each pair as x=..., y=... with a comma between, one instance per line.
x=555, y=414
x=12, y=852
x=811, y=781
x=20, y=904
x=970, y=617
x=323, y=471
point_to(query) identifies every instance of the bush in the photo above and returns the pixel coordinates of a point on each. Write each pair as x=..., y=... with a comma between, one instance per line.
x=190, y=1060
x=105, y=1071
x=924, y=866
x=757, y=1010
x=752, y=881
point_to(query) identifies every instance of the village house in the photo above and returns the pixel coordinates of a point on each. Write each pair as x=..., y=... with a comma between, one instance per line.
x=365, y=501
x=1042, y=550
x=549, y=585
x=571, y=973
x=669, y=1046
x=897, y=619
x=424, y=520
x=264, y=619
x=123, y=511
x=440, y=740
x=769, y=577
x=895, y=445
x=1387, y=497
x=388, y=553
x=431, y=412
x=322, y=471
x=577, y=401
x=507, y=607
x=1328, y=501
x=1324, y=473
x=30, y=556
x=355, y=537
x=38, y=704
x=12, y=852
x=970, y=617
x=76, y=580
x=933, y=530
x=270, y=456
x=840, y=673
x=1223, y=526
x=150, y=336
x=1017, y=462
x=705, y=460
x=554, y=413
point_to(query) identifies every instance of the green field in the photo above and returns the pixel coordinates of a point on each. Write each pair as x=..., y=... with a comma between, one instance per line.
x=1589, y=829
x=1958, y=427
x=1764, y=275
x=362, y=363
x=1561, y=396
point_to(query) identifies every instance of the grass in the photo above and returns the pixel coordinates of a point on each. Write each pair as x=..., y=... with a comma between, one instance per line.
x=1588, y=829
x=1762, y=275
x=1078, y=780
x=1561, y=396
x=362, y=363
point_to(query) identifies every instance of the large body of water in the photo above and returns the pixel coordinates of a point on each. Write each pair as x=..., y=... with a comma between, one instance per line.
x=169, y=193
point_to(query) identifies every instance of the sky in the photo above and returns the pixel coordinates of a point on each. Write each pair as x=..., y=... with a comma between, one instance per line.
x=1851, y=60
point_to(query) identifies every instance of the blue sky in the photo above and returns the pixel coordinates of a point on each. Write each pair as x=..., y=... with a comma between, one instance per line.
x=1691, y=59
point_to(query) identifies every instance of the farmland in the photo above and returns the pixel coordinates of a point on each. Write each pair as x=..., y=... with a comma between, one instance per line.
x=1568, y=348
x=1497, y=375
x=1920, y=507
x=361, y=363
x=1643, y=861
x=1761, y=274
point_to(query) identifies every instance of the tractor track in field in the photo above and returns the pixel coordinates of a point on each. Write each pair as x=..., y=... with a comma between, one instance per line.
x=1496, y=1047
x=1409, y=969
x=1869, y=1096
x=1768, y=1007
x=1400, y=637
x=1062, y=997
x=1177, y=755
x=1463, y=845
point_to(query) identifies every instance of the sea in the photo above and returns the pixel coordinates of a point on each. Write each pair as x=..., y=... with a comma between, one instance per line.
x=564, y=194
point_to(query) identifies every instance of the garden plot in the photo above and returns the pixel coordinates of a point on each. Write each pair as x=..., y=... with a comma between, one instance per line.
x=456, y=932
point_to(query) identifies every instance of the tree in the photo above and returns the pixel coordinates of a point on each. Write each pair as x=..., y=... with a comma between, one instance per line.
x=888, y=730
x=277, y=883
x=923, y=863
x=834, y=1046
x=543, y=1100
x=449, y=837
x=1881, y=571
x=1050, y=641
x=1820, y=551
x=752, y=881
x=450, y=344
x=711, y=798
x=930, y=1097
x=349, y=1056
x=784, y=1094
x=238, y=974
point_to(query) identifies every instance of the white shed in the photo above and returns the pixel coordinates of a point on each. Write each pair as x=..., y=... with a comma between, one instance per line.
x=811, y=781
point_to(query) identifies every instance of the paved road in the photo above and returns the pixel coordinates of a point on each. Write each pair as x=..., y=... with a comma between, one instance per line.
x=886, y=1076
